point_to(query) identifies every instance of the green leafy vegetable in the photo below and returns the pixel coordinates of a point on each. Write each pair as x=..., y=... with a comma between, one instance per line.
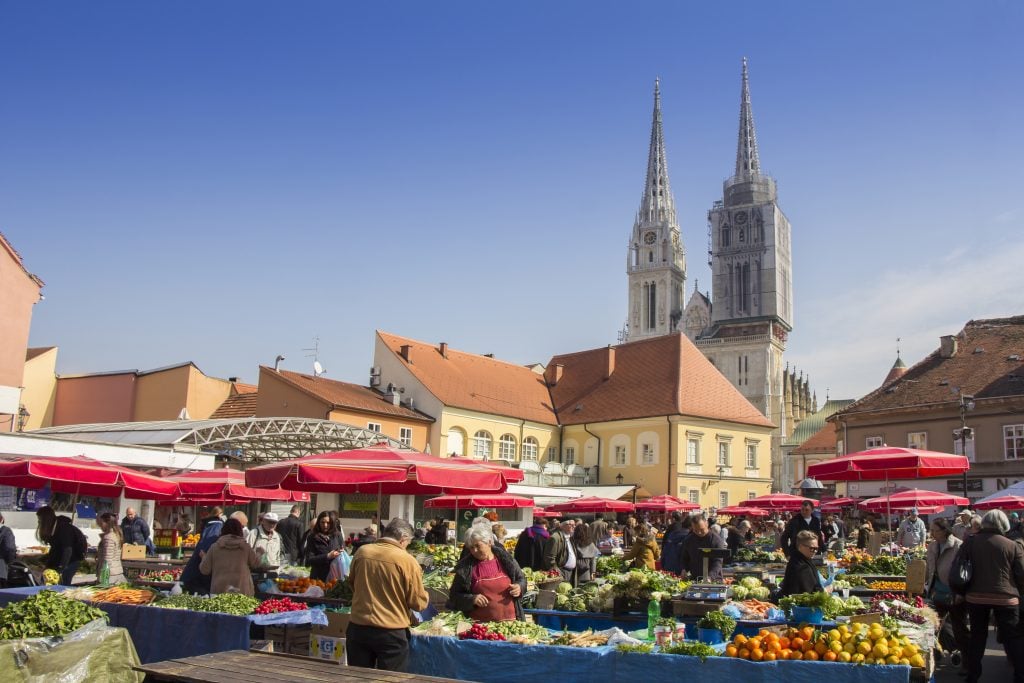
x=45, y=614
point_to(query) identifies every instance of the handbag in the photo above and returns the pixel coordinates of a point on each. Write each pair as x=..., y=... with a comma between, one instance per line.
x=962, y=570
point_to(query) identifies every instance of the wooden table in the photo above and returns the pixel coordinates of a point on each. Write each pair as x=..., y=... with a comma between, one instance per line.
x=240, y=666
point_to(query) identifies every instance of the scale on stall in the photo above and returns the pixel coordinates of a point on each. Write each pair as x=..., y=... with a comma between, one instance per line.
x=703, y=592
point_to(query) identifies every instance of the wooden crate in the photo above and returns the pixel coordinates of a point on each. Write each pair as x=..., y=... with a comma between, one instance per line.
x=694, y=608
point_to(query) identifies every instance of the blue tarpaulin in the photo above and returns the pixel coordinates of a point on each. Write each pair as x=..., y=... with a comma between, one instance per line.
x=497, y=662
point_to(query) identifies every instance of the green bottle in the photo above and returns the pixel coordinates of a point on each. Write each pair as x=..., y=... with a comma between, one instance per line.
x=653, y=615
x=105, y=575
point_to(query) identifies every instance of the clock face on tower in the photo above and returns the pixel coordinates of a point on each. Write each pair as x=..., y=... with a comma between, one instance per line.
x=649, y=238
x=741, y=217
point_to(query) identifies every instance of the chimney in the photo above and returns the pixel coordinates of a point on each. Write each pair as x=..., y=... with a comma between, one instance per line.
x=406, y=353
x=443, y=348
x=233, y=380
x=393, y=394
x=947, y=346
x=611, y=362
x=553, y=374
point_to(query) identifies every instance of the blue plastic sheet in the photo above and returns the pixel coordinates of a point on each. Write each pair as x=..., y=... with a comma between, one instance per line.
x=306, y=616
x=497, y=662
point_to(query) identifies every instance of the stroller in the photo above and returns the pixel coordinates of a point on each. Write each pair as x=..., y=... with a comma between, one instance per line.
x=20, y=576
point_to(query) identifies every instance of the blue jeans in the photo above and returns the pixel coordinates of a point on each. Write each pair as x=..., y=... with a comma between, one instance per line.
x=68, y=573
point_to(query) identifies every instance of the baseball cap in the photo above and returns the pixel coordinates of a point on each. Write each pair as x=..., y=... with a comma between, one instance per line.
x=271, y=517
x=913, y=511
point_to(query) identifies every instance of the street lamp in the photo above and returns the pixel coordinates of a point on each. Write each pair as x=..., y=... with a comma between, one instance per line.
x=618, y=478
x=966, y=404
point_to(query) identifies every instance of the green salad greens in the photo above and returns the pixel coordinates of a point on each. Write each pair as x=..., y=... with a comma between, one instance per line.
x=45, y=614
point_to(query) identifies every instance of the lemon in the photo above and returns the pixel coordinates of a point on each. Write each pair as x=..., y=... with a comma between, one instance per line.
x=864, y=648
x=880, y=650
x=892, y=659
x=845, y=656
x=857, y=658
x=834, y=634
x=904, y=661
x=850, y=648
x=835, y=646
x=910, y=649
x=917, y=660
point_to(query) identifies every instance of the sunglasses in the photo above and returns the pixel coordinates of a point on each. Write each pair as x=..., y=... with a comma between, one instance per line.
x=811, y=547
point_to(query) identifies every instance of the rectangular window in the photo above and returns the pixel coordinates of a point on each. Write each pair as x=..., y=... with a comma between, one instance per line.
x=723, y=454
x=918, y=440
x=874, y=442
x=751, y=495
x=958, y=444
x=692, y=452
x=723, y=499
x=373, y=426
x=620, y=455
x=1013, y=442
x=552, y=453
x=840, y=447
x=405, y=435
x=751, y=456
x=694, y=496
x=570, y=455
x=647, y=454
x=529, y=449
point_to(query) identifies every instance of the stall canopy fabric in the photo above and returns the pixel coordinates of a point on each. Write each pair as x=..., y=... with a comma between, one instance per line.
x=79, y=475
x=665, y=503
x=541, y=512
x=889, y=462
x=837, y=504
x=737, y=511
x=513, y=475
x=1008, y=502
x=775, y=501
x=380, y=470
x=228, y=485
x=590, y=505
x=913, y=498
x=482, y=500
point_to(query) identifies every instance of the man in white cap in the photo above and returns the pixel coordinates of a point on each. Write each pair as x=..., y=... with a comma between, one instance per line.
x=912, y=531
x=963, y=524
x=265, y=540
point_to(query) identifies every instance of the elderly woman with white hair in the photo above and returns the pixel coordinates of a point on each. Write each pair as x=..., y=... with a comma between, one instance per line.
x=488, y=584
x=997, y=585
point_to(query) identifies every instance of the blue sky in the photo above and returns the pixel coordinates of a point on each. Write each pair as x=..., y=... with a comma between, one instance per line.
x=223, y=181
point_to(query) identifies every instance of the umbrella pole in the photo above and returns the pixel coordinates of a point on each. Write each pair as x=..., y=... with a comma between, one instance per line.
x=888, y=509
x=378, y=504
x=74, y=501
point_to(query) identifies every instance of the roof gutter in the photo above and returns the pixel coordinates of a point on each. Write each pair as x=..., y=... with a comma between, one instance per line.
x=598, y=467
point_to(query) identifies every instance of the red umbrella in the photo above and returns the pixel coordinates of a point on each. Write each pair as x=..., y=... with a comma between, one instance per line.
x=541, y=512
x=776, y=501
x=911, y=498
x=1007, y=502
x=227, y=485
x=889, y=462
x=480, y=500
x=665, y=503
x=380, y=470
x=83, y=476
x=513, y=475
x=591, y=504
x=879, y=505
x=738, y=511
x=837, y=504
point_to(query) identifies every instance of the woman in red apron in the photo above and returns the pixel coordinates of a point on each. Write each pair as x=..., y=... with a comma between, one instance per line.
x=488, y=582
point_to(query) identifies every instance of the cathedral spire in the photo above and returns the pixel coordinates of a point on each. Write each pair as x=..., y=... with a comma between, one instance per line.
x=747, y=161
x=657, y=203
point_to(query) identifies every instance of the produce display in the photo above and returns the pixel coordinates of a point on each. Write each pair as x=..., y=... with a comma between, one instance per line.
x=444, y=624
x=749, y=587
x=276, y=605
x=124, y=596
x=302, y=585
x=586, y=639
x=718, y=620
x=758, y=556
x=445, y=557
x=524, y=632
x=886, y=565
x=853, y=643
x=342, y=590
x=227, y=603
x=441, y=581
x=701, y=650
x=45, y=614
x=897, y=608
x=754, y=610
x=480, y=632
x=190, y=540
x=162, y=575
x=645, y=648
x=830, y=605
x=51, y=577
x=888, y=585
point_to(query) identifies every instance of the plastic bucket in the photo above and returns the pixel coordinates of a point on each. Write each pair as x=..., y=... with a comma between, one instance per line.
x=711, y=636
x=808, y=615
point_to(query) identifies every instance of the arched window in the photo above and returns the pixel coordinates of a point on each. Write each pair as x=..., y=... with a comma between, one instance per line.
x=456, y=441
x=507, y=447
x=482, y=445
x=530, y=448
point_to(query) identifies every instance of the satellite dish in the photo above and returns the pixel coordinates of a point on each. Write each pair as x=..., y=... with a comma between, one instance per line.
x=317, y=368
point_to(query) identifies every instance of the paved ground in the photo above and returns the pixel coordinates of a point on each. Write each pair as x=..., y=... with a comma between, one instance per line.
x=996, y=666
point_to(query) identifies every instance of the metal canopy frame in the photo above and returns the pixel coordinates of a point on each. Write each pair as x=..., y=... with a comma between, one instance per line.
x=251, y=441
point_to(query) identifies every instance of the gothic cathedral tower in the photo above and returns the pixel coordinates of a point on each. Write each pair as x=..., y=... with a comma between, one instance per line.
x=743, y=328
x=655, y=258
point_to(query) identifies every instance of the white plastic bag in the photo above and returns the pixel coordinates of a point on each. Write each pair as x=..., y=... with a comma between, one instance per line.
x=339, y=567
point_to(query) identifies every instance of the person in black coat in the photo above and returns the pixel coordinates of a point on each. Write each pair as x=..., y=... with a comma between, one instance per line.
x=461, y=597
x=291, y=529
x=805, y=521
x=801, y=574
x=734, y=539
x=8, y=550
x=672, y=546
x=530, y=546
x=701, y=537
x=322, y=545
x=67, y=543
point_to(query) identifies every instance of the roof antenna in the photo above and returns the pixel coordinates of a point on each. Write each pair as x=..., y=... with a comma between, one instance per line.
x=315, y=355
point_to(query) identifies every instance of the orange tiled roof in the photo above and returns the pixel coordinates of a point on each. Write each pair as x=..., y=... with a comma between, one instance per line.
x=474, y=382
x=989, y=363
x=236, y=405
x=346, y=395
x=822, y=441
x=37, y=351
x=665, y=375
x=242, y=388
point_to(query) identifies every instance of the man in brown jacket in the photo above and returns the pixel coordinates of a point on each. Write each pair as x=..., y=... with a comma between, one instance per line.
x=997, y=584
x=387, y=583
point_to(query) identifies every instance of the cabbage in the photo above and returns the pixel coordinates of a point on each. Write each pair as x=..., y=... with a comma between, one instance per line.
x=760, y=593
x=750, y=582
x=564, y=588
x=739, y=592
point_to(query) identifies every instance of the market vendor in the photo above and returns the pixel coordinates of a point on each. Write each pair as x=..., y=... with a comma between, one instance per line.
x=692, y=556
x=805, y=521
x=801, y=574
x=488, y=584
x=265, y=540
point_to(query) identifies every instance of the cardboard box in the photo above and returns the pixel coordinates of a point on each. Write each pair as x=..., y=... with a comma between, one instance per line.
x=130, y=551
x=326, y=647
x=916, y=571
x=290, y=639
x=337, y=624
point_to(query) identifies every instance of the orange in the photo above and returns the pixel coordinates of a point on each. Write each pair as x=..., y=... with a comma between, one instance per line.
x=808, y=647
x=763, y=633
x=811, y=655
x=730, y=651
x=756, y=655
x=797, y=643
x=769, y=656
x=754, y=643
x=744, y=653
x=774, y=646
x=784, y=642
x=796, y=654
x=807, y=633
x=829, y=656
x=786, y=654
x=821, y=647
x=740, y=639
